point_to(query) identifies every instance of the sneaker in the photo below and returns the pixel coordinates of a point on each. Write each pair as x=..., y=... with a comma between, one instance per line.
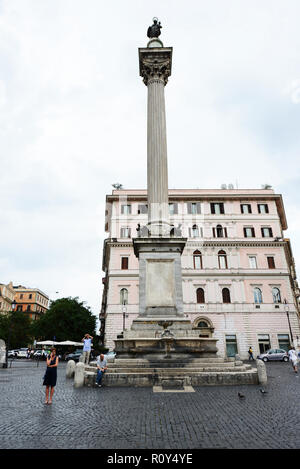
x=99, y=385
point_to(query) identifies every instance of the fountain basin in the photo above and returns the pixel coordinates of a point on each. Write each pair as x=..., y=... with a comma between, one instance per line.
x=155, y=347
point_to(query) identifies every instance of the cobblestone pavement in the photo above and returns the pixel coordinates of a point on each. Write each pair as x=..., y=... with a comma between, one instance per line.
x=137, y=418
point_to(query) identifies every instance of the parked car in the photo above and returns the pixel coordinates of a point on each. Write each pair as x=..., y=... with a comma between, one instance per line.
x=40, y=354
x=12, y=353
x=274, y=354
x=74, y=356
x=22, y=353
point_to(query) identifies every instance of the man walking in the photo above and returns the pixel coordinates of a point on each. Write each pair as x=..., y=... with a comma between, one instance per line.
x=293, y=358
x=250, y=352
x=101, y=367
x=87, y=346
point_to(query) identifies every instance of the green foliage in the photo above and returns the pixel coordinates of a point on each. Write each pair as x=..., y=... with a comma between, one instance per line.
x=67, y=319
x=19, y=325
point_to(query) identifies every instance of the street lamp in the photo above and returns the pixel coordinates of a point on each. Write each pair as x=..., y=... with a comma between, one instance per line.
x=286, y=309
x=124, y=314
x=13, y=307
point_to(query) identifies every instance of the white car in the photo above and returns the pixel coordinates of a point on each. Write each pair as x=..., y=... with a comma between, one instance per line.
x=22, y=353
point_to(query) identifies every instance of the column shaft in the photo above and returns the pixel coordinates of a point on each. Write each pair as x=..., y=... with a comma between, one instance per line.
x=157, y=164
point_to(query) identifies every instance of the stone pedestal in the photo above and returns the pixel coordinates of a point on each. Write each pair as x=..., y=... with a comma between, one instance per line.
x=160, y=276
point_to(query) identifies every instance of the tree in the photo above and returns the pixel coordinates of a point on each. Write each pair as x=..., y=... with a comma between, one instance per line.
x=19, y=325
x=66, y=319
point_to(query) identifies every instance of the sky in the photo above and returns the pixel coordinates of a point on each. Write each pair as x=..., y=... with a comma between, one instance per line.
x=73, y=120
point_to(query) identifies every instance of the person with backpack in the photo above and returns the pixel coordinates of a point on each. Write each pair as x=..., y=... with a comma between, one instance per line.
x=250, y=352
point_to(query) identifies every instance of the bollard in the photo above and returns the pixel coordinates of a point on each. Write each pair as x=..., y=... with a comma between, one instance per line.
x=70, y=370
x=81, y=359
x=79, y=375
x=262, y=372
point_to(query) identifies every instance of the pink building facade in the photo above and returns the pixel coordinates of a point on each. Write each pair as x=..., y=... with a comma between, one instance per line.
x=239, y=280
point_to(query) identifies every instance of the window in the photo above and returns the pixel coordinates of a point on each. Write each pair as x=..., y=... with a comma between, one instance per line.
x=249, y=232
x=30, y=296
x=19, y=308
x=276, y=295
x=262, y=208
x=197, y=260
x=266, y=232
x=21, y=296
x=252, y=262
x=231, y=345
x=202, y=324
x=28, y=308
x=257, y=295
x=222, y=260
x=143, y=208
x=271, y=262
x=217, y=208
x=194, y=208
x=125, y=209
x=246, y=208
x=124, y=296
x=264, y=342
x=226, y=295
x=284, y=341
x=200, y=295
x=124, y=263
x=195, y=232
x=173, y=208
x=220, y=232
x=125, y=232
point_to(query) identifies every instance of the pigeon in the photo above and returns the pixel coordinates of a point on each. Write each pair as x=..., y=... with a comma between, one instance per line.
x=241, y=396
x=263, y=391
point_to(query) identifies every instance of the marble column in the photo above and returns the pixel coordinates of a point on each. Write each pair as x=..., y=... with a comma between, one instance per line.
x=155, y=68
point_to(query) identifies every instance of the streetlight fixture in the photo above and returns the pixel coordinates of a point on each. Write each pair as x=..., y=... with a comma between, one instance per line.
x=287, y=309
x=13, y=307
x=124, y=309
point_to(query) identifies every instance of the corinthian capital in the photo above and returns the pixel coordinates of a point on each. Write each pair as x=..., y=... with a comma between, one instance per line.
x=155, y=64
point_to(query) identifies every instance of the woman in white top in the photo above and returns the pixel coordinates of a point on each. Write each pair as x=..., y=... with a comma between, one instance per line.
x=293, y=358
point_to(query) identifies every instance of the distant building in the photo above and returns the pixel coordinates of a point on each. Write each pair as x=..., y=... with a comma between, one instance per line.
x=7, y=294
x=239, y=277
x=31, y=300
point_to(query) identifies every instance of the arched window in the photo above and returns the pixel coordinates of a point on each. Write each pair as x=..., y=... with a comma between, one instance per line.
x=226, y=295
x=257, y=295
x=195, y=231
x=202, y=324
x=219, y=231
x=276, y=295
x=197, y=260
x=222, y=260
x=200, y=295
x=124, y=296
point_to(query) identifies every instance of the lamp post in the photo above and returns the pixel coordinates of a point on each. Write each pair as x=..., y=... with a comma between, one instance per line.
x=13, y=307
x=124, y=314
x=287, y=308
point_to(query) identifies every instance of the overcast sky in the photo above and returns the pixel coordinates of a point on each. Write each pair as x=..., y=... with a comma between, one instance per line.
x=73, y=119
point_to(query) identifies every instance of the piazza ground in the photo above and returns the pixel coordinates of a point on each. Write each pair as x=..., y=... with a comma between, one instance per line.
x=138, y=418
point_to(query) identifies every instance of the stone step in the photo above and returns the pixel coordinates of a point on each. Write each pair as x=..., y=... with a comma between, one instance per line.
x=169, y=371
x=178, y=370
x=188, y=366
x=194, y=378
